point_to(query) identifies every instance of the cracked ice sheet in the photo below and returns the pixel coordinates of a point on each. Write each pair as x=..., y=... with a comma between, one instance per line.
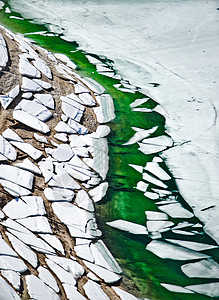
x=180, y=55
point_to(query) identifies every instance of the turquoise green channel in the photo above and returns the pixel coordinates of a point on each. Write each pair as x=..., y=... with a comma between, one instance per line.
x=122, y=201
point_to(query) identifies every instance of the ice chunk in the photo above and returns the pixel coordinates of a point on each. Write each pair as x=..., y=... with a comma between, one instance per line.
x=166, y=250
x=176, y=210
x=42, y=67
x=80, y=88
x=6, y=291
x=5, y=249
x=154, y=168
x=84, y=201
x=30, y=121
x=64, y=58
x=192, y=245
x=208, y=289
x=142, y=186
x=206, y=268
x=53, y=196
x=176, y=288
x=140, y=135
x=61, y=137
x=77, y=127
x=23, y=250
x=35, y=109
x=13, y=277
x=84, y=252
x=63, y=153
x=7, y=99
x=13, y=174
x=45, y=85
x=27, y=69
x=73, y=112
x=99, y=192
x=137, y=168
x=25, y=207
x=37, y=224
x=158, y=225
x=153, y=180
x=3, y=52
x=37, y=289
x=45, y=99
x=27, y=237
x=40, y=138
x=12, y=263
x=94, y=291
x=138, y=102
x=16, y=141
x=106, y=275
x=87, y=99
x=14, y=189
x=162, y=140
x=28, y=166
x=53, y=241
x=155, y=215
x=124, y=295
x=72, y=292
x=93, y=85
x=150, y=149
x=128, y=226
x=29, y=85
x=7, y=150
x=104, y=112
x=104, y=258
x=64, y=181
x=63, y=127
x=47, y=278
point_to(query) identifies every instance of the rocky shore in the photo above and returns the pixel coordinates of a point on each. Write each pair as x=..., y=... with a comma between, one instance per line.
x=53, y=166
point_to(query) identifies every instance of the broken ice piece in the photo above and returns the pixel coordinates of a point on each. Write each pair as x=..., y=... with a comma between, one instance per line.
x=7, y=99
x=30, y=121
x=170, y=251
x=142, y=186
x=13, y=174
x=27, y=69
x=40, y=138
x=99, y=192
x=176, y=210
x=63, y=153
x=154, y=168
x=140, y=135
x=138, y=102
x=7, y=150
x=128, y=226
x=94, y=291
x=29, y=166
x=152, y=196
x=206, y=268
x=176, y=288
x=155, y=215
x=45, y=99
x=153, y=180
x=35, y=109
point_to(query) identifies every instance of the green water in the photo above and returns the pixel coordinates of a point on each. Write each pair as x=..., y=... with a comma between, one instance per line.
x=122, y=201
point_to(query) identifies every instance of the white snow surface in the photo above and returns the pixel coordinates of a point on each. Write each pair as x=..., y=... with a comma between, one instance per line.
x=173, y=43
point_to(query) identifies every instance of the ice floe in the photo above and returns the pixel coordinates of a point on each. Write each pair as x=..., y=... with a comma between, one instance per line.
x=40, y=138
x=12, y=263
x=153, y=180
x=176, y=210
x=38, y=224
x=14, y=174
x=13, y=277
x=23, y=250
x=99, y=192
x=192, y=245
x=72, y=292
x=105, y=111
x=9, y=98
x=93, y=85
x=80, y=88
x=140, y=135
x=76, y=127
x=45, y=99
x=124, y=295
x=16, y=141
x=63, y=127
x=37, y=289
x=47, y=278
x=208, y=289
x=27, y=165
x=3, y=52
x=155, y=215
x=128, y=226
x=176, y=288
x=35, y=109
x=84, y=201
x=42, y=67
x=94, y=291
x=155, y=169
x=31, y=121
x=64, y=58
x=53, y=241
x=138, y=102
x=28, y=85
x=142, y=186
x=106, y=275
x=170, y=251
x=27, y=69
x=25, y=207
x=206, y=268
x=6, y=150
x=158, y=225
x=63, y=153
x=61, y=137
x=7, y=292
